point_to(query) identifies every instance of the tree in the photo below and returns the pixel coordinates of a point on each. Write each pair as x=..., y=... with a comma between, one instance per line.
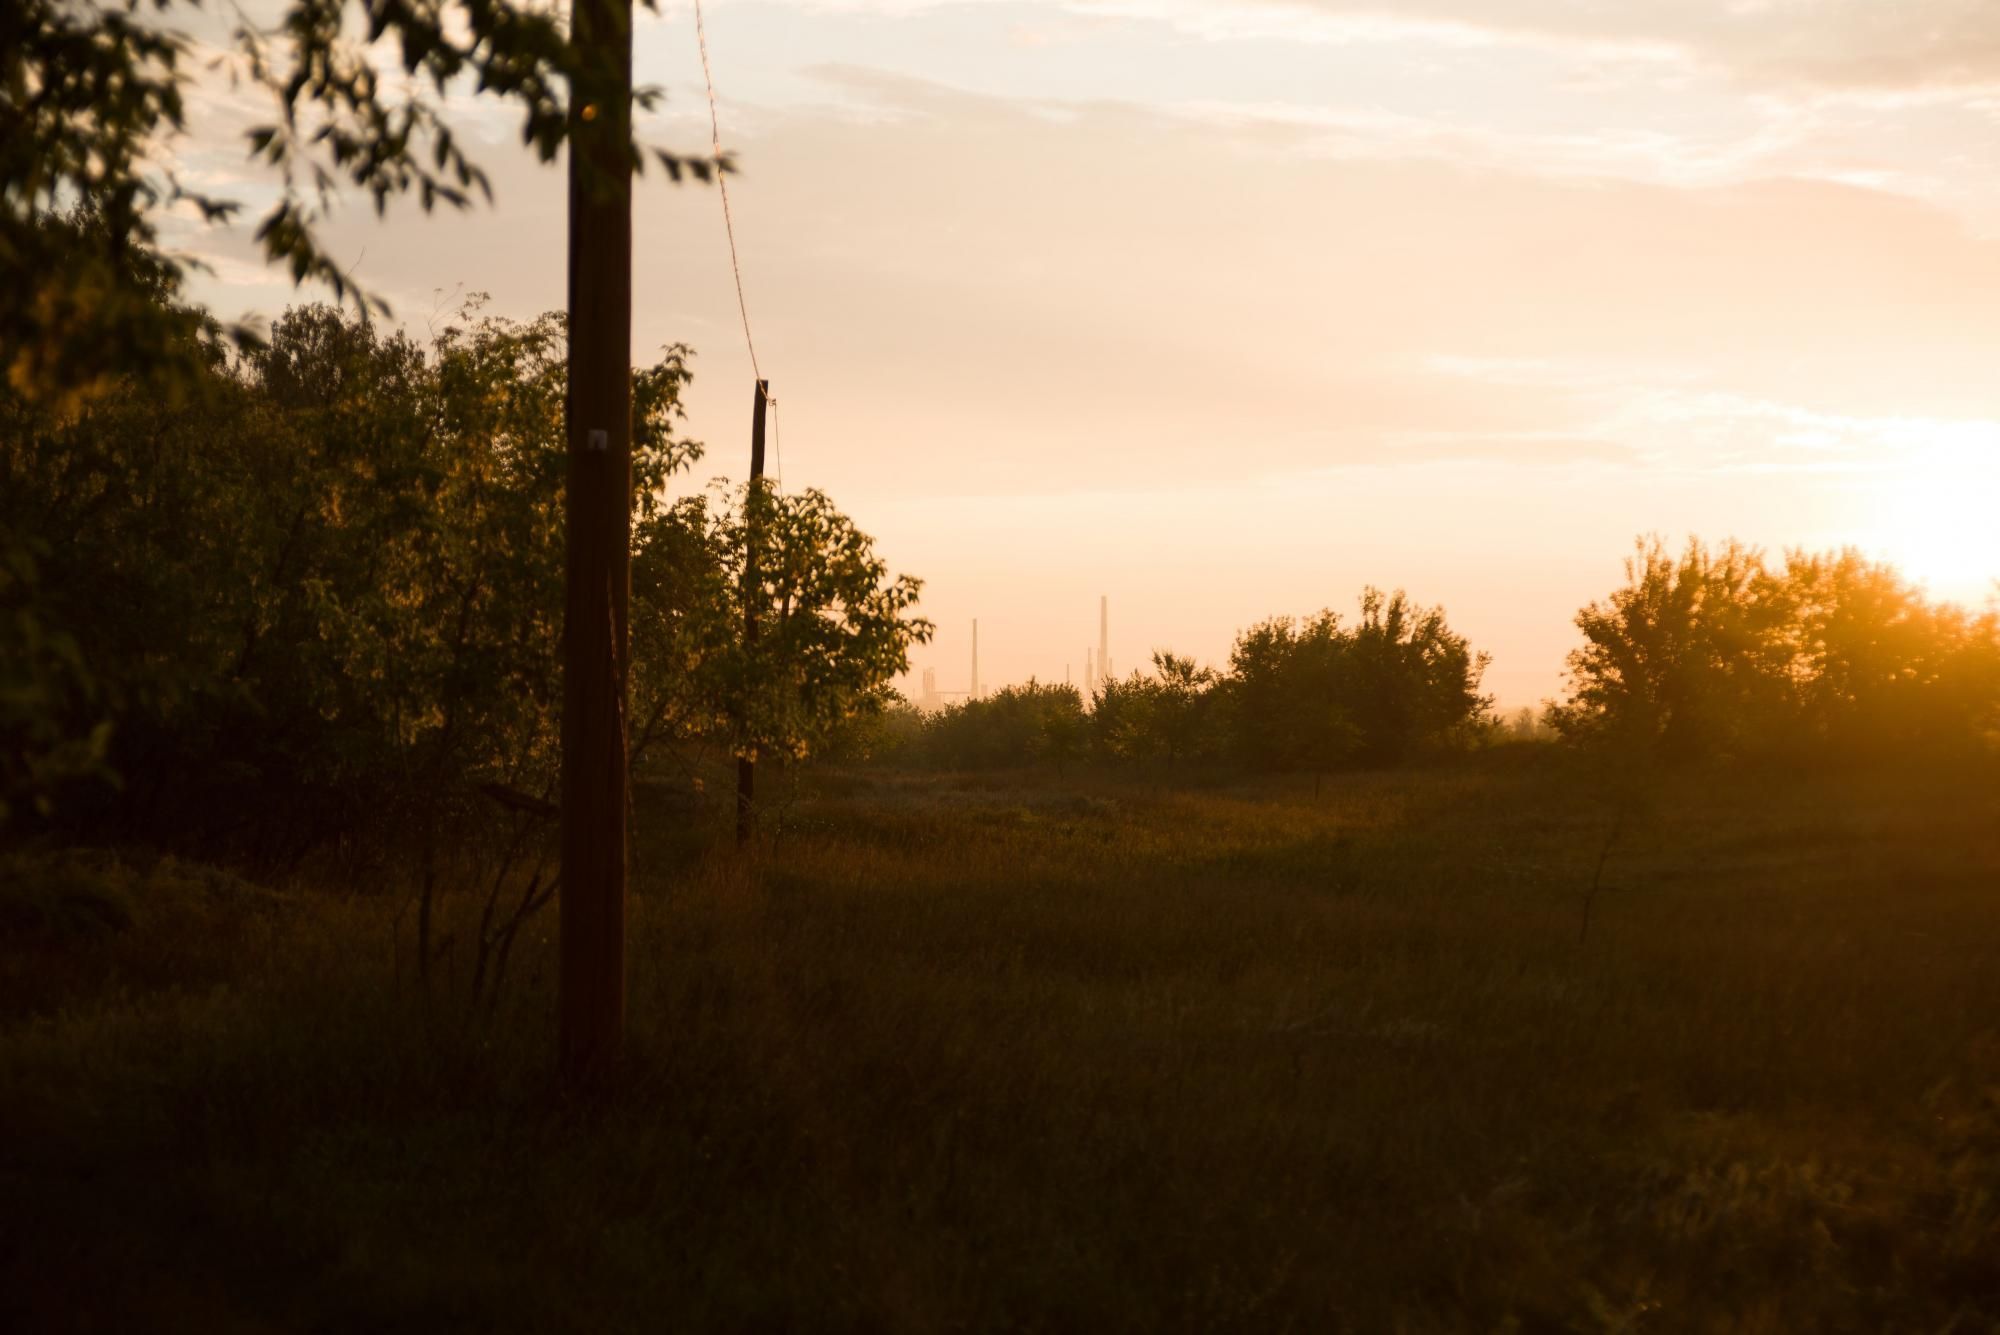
x=1877, y=665
x=1681, y=658
x=319, y=601
x=1064, y=731
x=1719, y=654
x=1290, y=707
x=1411, y=681
x=93, y=106
x=1168, y=718
x=1315, y=695
x=1182, y=707
x=835, y=626
x=52, y=727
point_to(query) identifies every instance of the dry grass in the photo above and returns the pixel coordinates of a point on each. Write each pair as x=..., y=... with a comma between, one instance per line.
x=999, y=1053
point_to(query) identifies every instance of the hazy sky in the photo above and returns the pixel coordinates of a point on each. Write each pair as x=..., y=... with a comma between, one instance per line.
x=1226, y=308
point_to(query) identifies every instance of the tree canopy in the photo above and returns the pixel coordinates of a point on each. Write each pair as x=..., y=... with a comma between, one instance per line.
x=325, y=592
x=93, y=105
x=1721, y=652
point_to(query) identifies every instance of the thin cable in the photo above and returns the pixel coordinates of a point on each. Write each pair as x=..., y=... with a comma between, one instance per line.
x=722, y=181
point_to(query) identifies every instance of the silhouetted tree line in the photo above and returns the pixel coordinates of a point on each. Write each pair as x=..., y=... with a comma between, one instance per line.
x=1716, y=654
x=1721, y=653
x=1311, y=695
x=312, y=593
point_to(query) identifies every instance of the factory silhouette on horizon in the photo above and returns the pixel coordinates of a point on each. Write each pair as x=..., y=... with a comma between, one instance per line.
x=1097, y=667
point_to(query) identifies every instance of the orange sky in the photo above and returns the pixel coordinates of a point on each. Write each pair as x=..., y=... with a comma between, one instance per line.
x=1226, y=308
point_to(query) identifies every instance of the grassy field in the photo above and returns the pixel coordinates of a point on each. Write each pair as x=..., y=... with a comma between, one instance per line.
x=999, y=1053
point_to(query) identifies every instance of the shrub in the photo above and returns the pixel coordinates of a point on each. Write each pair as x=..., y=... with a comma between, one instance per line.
x=1017, y=726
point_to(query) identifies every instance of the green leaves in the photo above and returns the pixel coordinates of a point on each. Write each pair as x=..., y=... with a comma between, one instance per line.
x=1014, y=727
x=92, y=102
x=53, y=730
x=326, y=594
x=704, y=169
x=834, y=626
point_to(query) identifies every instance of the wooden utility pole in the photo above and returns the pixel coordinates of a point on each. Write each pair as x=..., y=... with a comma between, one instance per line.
x=746, y=764
x=598, y=522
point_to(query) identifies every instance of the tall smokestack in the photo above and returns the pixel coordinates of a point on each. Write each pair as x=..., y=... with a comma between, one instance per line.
x=975, y=658
x=1104, y=637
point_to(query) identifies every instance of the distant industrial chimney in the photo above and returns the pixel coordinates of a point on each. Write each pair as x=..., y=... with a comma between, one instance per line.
x=975, y=658
x=1104, y=637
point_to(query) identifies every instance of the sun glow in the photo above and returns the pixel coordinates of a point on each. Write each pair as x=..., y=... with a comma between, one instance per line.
x=1939, y=509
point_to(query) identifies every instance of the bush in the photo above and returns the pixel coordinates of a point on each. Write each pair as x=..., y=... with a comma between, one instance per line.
x=1314, y=695
x=1014, y=727
x=1299, y=696
x=1168, y=719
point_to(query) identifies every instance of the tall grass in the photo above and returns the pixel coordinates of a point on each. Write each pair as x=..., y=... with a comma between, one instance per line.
x=1004, y=1052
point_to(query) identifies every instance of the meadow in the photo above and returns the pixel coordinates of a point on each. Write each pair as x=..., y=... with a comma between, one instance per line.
x=1020, y=1052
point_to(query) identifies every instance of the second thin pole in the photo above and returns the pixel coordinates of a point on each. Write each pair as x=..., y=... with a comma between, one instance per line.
x=753, y=505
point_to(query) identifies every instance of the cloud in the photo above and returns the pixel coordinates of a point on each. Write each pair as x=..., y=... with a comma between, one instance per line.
x=1858, y=44
x=1776, y=140
x=1843, y=44
x=975, y=293
x=1680, y=92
